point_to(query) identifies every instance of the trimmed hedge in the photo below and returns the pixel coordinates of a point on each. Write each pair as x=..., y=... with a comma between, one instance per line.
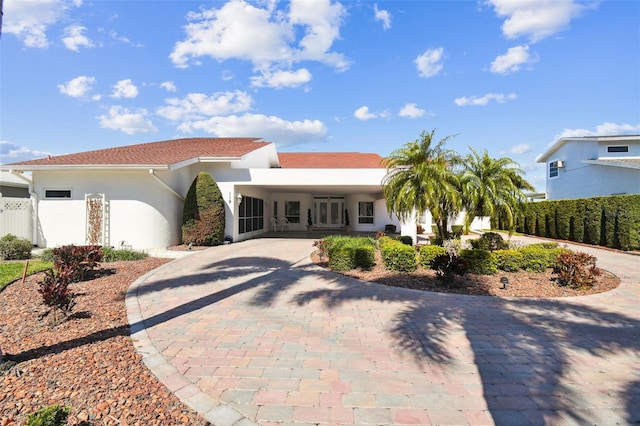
x=508, y=260
x=479, y=262
x=399, y=257
x=428, y=253
x=612, y=221
x=203, y=214
x=346, y=253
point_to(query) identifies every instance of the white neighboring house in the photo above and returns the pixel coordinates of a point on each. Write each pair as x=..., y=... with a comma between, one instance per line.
x=591, y=166
x=133, y=195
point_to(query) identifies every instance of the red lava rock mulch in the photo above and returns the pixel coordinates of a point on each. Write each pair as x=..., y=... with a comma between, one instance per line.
x=87, y=362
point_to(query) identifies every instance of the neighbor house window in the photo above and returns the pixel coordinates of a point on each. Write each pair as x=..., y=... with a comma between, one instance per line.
x=553, y=169
x=365, y=212
x=250, y=214
x=57, y=193
x=620, y=148
x=292, y=211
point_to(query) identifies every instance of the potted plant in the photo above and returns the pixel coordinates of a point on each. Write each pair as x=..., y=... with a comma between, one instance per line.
x=347, y=224
x=309, y=221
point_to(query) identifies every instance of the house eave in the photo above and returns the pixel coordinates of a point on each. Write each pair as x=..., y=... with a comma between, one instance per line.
x=610, y=163
x=34, y=168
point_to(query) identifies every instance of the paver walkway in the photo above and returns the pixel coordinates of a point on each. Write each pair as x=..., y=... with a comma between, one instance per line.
x=254, y=333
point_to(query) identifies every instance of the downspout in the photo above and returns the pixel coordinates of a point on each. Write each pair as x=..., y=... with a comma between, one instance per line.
x=34, y=203
x=166, y=186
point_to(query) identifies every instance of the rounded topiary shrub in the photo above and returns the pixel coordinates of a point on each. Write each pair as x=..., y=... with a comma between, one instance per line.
x=399, y=257
x=203, y=216
x=12, y=247
x=428, y=253
x=479, y=262
x=490, y=241
x=508, y=260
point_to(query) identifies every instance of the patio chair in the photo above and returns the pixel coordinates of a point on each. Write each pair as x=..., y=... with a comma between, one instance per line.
x=284, y=223
x=274, y=224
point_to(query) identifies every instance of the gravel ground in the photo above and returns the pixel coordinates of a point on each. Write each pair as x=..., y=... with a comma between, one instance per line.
x=87, y=362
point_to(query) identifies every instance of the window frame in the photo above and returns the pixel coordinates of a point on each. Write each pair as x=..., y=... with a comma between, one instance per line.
x=290, y=213
x=617, y=149
x=554, y=172
x=250, y=215
x=366, y=218
x=49, y=196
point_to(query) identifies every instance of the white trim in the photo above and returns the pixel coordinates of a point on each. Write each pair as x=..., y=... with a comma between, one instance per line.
x=612, y=163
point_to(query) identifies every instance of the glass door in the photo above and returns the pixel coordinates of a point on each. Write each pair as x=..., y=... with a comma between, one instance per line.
x=329, y=212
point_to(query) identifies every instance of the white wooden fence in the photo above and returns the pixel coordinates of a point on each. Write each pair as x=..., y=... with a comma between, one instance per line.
x=16, y=217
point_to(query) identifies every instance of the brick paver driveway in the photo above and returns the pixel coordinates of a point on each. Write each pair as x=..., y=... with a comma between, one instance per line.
x=254, y=333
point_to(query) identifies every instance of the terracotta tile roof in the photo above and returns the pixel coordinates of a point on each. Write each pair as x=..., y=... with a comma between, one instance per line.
x=329, y=160
x=155, y=153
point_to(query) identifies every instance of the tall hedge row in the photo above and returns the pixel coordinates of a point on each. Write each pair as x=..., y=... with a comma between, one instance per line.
x=607, y=221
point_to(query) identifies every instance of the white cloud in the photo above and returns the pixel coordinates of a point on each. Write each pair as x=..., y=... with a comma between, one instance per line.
x=537, y=19
x=124, y=120
x=383, y=16
x=411, y=111
x=169, y=86
x=79, y=87
x=29, y=20
x=364, y=114
x=266, y=37
x=521, y=148
x=124, y=89
x=12, y=153
x=484, y=100
x=73, y=38
x=114, y=35
x=282, y=132
x=280, y=79
x=604, y=129
x=197, y=106
x=430, y=62
x=513, y=60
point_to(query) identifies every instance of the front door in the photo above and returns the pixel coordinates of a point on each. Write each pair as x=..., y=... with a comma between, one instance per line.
x=328, y=212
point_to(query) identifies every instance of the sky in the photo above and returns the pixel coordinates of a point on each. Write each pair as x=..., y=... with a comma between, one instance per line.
x=506, y=76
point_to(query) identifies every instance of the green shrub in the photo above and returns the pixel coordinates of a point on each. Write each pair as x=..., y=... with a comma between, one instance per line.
x=457, y=230
x=489, y=241
x=385, y=239
x=47, y=255
x=399, y=257
x=508, y=260
x=203, y=216
x=346, y=253
x=114, y=255
x=406, y=239
x=535, y=259
x=53, y=415
x=479, y=262
x=576, y=270
x=13, y=248
x=428, y=253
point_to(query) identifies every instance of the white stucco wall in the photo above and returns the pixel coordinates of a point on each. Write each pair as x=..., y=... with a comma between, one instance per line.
x=140, y=211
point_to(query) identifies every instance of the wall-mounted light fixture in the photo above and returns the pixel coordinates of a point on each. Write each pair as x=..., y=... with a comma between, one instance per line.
x=239, y=197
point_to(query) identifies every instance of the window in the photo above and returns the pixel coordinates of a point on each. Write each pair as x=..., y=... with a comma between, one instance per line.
x=292, y=211
x=621, y=148
x=57, y=193
x=553, y=169
x=365, y=212
x=250, y=214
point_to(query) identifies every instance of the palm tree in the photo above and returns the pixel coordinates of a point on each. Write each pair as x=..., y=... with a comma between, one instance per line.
x=492, y=187
x=421, y=177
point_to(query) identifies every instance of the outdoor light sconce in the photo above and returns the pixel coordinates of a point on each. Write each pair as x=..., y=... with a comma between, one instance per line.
x=504, y=281
x=239, y=197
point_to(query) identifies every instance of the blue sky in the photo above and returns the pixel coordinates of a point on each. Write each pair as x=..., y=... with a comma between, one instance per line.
x=507, y=76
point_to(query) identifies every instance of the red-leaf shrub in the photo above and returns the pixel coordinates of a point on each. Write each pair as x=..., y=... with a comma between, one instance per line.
x=55, y=291
x=576, y=270
x=77, y=259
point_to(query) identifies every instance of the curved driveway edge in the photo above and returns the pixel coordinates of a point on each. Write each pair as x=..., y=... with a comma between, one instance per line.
x=254, y=333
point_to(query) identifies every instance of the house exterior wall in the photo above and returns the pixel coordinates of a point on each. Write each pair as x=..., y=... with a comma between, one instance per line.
x=140, y=211
x=579, y=180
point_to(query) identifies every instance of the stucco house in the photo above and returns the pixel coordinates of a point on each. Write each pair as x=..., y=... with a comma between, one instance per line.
x=133, y=195
x=590, y=166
